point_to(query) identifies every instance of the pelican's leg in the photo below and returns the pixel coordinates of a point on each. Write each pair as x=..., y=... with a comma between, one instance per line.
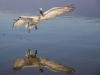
x=41, y=69
x=28, y=27
x=28, y=30
x=35, y=26
x=35, y=52
x=29, y=53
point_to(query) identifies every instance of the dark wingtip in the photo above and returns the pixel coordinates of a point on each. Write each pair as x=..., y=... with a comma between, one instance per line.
x=15, y=19
x=72, y=5
x=70, y=72
x=13, y=26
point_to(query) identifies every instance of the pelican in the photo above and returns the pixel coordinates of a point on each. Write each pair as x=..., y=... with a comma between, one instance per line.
x=33, y=20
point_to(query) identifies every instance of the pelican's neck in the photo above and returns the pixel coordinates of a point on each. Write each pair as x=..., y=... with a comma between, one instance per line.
x=41, y=12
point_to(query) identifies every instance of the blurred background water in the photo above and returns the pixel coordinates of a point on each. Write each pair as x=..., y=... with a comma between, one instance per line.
x=71, y=41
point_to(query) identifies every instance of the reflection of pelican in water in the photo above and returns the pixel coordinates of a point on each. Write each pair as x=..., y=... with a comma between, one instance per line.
x=32, y=60
x=33, y=20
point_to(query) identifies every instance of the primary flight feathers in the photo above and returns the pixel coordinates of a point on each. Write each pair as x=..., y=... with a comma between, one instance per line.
x=53, y=12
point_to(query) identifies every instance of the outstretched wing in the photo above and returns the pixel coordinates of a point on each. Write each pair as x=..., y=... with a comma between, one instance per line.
x=19, y=64
x=21, y=20
x=57, y=11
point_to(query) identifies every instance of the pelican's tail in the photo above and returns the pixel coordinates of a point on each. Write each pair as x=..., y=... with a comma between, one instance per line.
x=29, y=27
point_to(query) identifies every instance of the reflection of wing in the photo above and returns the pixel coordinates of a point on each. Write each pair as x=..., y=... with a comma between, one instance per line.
x=19, y=64
x=57, y=11
x=55, y=66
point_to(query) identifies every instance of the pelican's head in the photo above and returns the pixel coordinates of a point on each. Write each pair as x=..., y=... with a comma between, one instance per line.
x=41, y=11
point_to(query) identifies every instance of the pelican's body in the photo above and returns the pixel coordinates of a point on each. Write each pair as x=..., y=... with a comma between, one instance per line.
x=53, y=12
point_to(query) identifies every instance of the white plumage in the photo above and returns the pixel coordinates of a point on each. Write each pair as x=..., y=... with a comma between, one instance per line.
x=53, y=12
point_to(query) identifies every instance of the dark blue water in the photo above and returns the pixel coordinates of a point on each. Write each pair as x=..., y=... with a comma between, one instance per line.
x=71, y=41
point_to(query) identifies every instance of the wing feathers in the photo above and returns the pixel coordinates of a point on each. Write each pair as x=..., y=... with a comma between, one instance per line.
x=30, y=20
x=57, y=11
x=18, y=23
x=21, y=20
x=53, y=12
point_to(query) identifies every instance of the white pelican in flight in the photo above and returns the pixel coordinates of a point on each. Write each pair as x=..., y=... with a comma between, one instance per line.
x=33, y=20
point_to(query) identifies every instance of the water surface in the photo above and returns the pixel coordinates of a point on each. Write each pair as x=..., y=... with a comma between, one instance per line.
x=71, y=41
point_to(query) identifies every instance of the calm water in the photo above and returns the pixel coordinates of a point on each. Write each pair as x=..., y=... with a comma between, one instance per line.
x=71, y=41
